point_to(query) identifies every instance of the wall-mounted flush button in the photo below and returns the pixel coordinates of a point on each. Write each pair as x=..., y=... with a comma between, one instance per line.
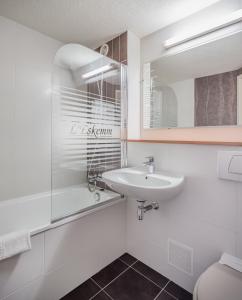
x=230, y=165
x=235, y=165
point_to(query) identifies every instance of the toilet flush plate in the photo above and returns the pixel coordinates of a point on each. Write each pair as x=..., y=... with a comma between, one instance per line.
x=229, y=165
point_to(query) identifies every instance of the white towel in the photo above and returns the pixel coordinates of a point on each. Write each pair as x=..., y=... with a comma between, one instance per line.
x=14, y=243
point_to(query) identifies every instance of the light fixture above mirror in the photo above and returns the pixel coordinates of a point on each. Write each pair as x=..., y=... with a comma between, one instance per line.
x=229, y=20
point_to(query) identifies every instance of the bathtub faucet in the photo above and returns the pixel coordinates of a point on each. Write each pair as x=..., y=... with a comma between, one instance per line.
x=92, y=181
x=96, y=177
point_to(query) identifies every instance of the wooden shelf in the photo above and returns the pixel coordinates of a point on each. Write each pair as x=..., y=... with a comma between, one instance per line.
x=187, y=142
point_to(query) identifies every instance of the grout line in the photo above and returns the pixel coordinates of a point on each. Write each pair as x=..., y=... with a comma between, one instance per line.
x=127, y=263
x=107, y=295
x=175, y=298
x=131, y=267
x=134, y=263
x=149, y=278
x=120, y=274
x=161, y=290
x=96, y=285
x=102, y=289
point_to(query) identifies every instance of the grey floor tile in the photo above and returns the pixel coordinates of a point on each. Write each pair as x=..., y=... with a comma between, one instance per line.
x=131, y=286
x=109, y=273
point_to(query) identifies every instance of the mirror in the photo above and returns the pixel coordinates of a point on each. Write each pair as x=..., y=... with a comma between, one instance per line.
x=201, y=86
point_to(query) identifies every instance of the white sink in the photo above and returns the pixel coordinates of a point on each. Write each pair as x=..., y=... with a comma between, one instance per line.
x=140, y=185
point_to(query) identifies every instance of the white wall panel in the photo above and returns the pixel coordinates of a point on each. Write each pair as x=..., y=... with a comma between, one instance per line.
x=26, y=58
x=206, y=216
x=64, y=257
x=19, y=270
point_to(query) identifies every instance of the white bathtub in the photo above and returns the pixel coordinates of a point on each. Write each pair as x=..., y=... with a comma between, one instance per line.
x=29, y=212
x=77, y=199
x=35, y=212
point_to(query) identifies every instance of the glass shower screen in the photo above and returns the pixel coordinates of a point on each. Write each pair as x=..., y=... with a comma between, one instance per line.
x=89, y=110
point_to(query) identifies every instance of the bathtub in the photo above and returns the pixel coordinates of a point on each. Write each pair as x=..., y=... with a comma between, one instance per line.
x=31, y=212
x=76, y=199
x=39, y=212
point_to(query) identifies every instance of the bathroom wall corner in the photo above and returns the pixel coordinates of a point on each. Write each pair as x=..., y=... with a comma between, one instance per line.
x=133, y=86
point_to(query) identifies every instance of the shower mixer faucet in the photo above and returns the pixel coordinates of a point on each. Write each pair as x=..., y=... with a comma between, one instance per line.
x=92, y=181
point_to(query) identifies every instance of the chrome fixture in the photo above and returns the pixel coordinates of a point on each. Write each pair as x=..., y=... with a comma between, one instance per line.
x=92, y=181
x=143, y=209
x=150, y=164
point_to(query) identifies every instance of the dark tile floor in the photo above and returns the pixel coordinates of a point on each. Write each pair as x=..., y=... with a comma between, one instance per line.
x=128, y=279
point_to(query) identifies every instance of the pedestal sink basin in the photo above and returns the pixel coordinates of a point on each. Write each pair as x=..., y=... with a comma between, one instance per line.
x=140, y=185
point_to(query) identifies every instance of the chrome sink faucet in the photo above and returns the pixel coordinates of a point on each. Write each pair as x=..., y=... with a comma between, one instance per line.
x=150, y=163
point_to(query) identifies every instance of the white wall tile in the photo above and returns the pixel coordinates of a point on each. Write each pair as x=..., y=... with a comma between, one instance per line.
x=207, y=200
x=204, y=216
x=34, y=49
x=7, y=74
x=72, y=253
x=92, y=238
x=7, y=149
x=133, y=73
x=239, y=221
x=7, y=107
x=78, y=250
x=239, y=205
x=7, y=39
x=33, y=130
x=239, y=244
x=26, y=59
x=18, y=271
x=28, y=292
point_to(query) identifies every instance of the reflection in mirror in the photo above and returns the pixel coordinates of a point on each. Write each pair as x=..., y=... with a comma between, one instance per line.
x=201, y=86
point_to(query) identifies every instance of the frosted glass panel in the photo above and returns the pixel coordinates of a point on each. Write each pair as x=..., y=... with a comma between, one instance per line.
x=89, y=120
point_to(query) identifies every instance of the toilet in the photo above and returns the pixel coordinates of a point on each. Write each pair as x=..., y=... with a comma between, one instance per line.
x=219, y=282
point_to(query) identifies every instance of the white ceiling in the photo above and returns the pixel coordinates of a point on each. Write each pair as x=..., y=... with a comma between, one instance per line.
x=92, y=22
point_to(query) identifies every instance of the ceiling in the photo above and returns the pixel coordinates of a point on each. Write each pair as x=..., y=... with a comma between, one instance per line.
x=92, y=22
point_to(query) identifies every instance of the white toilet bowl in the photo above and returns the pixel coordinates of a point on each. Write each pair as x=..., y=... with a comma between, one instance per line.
x=219, y=282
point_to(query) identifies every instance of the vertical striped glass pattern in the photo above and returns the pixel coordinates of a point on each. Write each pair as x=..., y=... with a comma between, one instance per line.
x=88, y=123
